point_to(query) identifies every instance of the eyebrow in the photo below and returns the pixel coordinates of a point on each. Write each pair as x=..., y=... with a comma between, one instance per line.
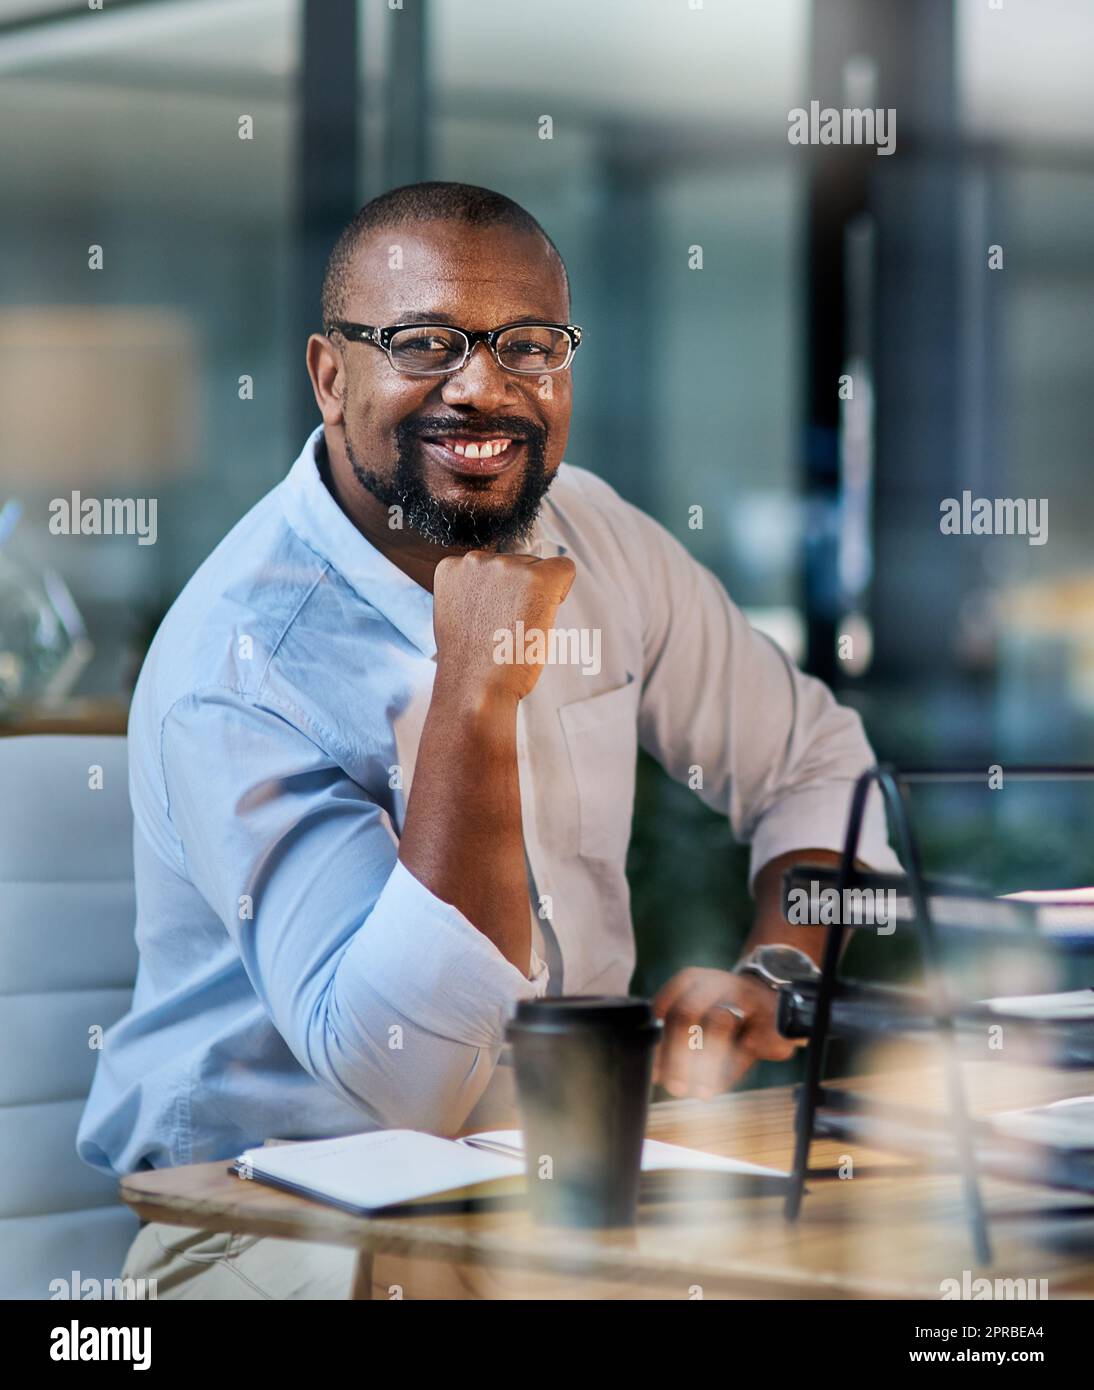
x=443, y=318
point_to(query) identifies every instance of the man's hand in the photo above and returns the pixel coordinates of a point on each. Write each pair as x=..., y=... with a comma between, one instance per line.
x=476, y=596
x=706, y=1048
x=715, y=1058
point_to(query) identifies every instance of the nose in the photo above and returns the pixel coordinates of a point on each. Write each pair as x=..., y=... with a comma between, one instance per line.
x=480, y=382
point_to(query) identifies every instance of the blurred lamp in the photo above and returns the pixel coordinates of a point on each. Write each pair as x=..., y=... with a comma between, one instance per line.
x=89, y=394
x=89, y=397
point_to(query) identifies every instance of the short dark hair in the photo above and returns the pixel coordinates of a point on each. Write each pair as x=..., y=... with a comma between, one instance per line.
x=436, y=201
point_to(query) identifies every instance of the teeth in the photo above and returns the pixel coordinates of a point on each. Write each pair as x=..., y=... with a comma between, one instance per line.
x=489, y=448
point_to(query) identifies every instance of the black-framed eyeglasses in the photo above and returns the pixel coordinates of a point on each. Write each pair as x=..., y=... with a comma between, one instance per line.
x=433, y=349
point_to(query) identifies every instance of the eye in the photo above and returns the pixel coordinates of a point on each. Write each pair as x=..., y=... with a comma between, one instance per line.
x=425, y=342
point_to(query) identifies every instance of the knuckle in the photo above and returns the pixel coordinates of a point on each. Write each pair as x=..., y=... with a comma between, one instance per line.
x=717, y=1020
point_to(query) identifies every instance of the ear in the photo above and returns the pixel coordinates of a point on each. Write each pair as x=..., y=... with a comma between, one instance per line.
x=328, y=379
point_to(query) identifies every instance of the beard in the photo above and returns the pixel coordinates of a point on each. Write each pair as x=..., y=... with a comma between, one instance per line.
x=460, y=523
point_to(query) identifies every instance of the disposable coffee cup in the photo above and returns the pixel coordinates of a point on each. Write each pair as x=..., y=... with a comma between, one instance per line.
x=584, y=1065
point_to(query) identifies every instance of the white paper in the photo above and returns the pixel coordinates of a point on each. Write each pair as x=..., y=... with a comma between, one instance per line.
x=659, y=1157
x=1069, y=896
x=1066, y=1124
x=1071, y=1004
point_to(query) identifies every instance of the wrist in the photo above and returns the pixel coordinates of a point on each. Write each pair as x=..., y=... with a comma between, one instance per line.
x=470, y=697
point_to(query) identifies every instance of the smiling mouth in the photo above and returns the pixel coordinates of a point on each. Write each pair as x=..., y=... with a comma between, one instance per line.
x=475, y=454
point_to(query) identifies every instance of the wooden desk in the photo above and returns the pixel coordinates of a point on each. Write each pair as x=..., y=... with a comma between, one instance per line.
x=889, y=1232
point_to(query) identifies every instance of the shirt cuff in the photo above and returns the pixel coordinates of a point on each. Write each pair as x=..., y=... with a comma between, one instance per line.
x=436, y=968
x=816, y=818
x=537, y=968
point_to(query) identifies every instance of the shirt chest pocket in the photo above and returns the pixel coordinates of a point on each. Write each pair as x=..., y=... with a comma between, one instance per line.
x=602, y=740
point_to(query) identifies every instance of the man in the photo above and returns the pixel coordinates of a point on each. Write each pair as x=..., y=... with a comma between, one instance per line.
x=372, y=813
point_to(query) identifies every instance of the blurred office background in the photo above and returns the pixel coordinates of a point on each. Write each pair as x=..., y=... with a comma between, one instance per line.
x=714, y=387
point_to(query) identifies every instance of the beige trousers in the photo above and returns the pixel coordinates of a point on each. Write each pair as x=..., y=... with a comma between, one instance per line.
x=191, y=1263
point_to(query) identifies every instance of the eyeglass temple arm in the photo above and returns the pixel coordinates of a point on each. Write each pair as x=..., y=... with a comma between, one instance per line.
x=356, y=332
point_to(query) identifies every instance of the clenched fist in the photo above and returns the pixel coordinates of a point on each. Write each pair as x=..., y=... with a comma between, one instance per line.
x=479, y=595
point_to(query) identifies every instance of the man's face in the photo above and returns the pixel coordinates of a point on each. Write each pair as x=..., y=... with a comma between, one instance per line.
x=411, y=440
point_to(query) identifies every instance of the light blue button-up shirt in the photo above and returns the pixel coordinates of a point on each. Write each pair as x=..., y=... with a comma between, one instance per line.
x=295, y=979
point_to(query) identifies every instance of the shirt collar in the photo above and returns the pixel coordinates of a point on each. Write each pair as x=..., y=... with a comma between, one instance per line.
x=322, y=525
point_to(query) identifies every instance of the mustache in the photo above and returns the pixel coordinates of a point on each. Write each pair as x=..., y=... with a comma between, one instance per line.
x=474, y=427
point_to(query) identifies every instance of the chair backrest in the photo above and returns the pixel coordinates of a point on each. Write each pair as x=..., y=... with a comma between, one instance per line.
x=68, y=960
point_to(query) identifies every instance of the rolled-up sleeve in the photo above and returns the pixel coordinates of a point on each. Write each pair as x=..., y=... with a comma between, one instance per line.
x=724, y=709
x=383, y=992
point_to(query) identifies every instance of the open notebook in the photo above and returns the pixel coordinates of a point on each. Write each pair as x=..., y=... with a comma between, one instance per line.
x=395, y=1168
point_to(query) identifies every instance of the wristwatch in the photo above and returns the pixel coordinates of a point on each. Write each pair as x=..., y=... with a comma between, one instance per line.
x=778, y=965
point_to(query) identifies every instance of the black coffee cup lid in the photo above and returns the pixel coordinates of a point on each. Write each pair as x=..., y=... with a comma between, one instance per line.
x=585, y=1010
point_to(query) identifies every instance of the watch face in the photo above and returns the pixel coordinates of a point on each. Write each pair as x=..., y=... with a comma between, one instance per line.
x=786, y=963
